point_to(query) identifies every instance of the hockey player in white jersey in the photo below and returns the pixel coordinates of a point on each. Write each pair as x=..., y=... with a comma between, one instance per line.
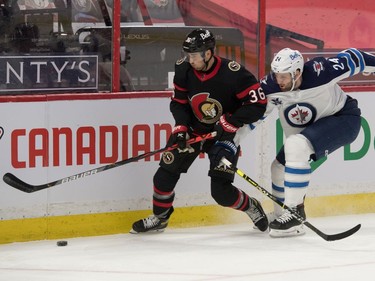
x=317, y=118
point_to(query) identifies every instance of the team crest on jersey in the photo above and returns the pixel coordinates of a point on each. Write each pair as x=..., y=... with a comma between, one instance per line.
x=234, y=66
x=206, y=110
x=300, y=115
x=318, y=67
x=168, y=157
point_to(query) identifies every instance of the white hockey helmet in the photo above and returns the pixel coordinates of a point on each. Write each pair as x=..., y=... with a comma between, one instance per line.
x=287, y=61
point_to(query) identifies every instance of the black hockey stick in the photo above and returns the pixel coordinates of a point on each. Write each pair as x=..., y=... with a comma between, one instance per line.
x=17, y=183
x=327, y=237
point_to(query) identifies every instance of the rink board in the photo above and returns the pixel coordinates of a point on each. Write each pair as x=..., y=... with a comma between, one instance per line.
x=106, y=129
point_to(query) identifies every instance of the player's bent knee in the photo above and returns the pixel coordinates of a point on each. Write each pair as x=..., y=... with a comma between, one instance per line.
x=219, y=191
x=298, y=148
x=276, y=166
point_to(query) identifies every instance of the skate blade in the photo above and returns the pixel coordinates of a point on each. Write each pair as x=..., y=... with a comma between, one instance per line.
x=293, y=231
x=132, y=231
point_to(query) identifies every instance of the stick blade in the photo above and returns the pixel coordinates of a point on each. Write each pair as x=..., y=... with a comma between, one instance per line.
x=15, y=182
x=344, y=234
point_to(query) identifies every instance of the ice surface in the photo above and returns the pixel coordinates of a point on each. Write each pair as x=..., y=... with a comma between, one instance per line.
x=229, y=252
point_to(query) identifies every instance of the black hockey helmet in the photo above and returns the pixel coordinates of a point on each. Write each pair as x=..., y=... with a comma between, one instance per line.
x=199, y=40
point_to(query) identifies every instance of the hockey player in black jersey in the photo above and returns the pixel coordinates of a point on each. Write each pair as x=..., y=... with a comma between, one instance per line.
x=211, y=93
x=317, y=118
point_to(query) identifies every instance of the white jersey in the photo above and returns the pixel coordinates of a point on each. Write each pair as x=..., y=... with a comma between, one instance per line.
x=319, y=95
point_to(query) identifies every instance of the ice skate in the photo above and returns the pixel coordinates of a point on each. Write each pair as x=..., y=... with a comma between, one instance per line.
x=287, y=225
x=152, y=223
x=257, y=215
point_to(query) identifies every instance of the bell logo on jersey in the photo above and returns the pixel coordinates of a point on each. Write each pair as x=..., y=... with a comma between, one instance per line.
x=300, y=115
x=206, y=110
x=318, y=67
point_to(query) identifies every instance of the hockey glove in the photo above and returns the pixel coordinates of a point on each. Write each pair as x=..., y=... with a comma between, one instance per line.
x=221, y=149
x=225, y=130
x=179, y=137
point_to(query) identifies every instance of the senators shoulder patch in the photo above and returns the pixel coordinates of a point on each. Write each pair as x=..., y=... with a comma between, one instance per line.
x=234, y=66
x=180, y=61
x=168, y=157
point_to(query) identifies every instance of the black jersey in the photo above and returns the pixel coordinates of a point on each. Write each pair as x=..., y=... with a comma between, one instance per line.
x=200, y=98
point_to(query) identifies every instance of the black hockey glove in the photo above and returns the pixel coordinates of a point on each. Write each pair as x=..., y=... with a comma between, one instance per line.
x=221, y=149
x=179, y=137
x=225, y=130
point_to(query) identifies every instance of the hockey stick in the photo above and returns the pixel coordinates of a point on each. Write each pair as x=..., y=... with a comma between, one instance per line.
x=327, y=237
x=17, y=183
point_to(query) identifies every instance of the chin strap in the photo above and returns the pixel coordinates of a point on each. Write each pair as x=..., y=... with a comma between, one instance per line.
x=206, y=62
x=295, y=80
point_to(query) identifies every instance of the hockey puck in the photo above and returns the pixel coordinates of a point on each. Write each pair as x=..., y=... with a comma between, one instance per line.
x=62, y=243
